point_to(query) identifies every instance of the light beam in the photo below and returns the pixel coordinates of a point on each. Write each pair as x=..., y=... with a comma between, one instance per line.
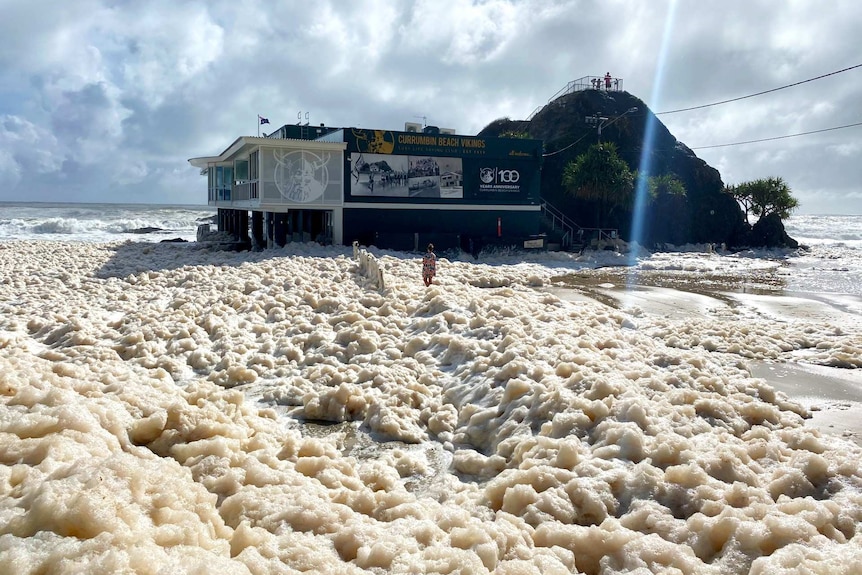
x=642, y=184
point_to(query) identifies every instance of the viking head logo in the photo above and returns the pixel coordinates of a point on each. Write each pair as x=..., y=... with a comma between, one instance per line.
x=301, y=175
x=379, y=142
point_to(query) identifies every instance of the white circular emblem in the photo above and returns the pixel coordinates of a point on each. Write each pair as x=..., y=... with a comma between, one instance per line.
x=300, y=176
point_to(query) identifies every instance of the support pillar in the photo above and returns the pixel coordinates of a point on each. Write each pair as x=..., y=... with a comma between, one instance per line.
x=233, y=224
x=257, y=240
x=269, y=221
x=221, y=220
x=290, y=224
x=242, y=226
x=280, y=229
x=300, y=228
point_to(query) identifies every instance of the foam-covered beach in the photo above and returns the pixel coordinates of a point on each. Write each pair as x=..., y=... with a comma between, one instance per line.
x=169, y=409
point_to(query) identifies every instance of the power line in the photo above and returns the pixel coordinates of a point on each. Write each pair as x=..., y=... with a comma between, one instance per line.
x=735, y=100
x=759, y=93
x=779, y=137
x=554, y=153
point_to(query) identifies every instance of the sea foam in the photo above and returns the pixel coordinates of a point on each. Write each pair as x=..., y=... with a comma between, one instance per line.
x=168, y=408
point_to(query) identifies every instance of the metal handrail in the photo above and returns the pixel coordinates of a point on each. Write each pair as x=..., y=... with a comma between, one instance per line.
x=605, y=234
x=566, y=224
x=566, y=220
x=584, y=83
x=534, y=112
x=570, y=227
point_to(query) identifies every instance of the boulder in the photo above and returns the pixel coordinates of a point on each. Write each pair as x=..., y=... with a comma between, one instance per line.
x=769, y=232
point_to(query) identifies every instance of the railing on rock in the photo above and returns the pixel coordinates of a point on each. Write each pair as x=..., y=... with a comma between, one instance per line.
x=603, y=83
x=534, y=112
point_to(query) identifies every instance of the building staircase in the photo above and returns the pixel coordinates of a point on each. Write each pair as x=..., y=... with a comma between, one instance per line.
x=561, y=229
x=572, y=237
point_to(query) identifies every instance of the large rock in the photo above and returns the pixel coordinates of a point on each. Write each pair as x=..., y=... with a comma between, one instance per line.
x=705, y=215
x=769, y=232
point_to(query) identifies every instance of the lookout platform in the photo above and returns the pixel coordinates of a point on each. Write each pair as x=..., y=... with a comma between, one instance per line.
x=606, y=83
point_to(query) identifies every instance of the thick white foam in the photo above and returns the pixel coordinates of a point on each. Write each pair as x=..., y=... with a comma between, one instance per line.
x=479, y=425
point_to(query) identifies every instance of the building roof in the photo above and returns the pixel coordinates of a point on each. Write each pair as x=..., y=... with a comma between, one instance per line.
x=244, y=143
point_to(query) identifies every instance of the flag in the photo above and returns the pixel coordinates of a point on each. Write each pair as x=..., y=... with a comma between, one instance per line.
x=262, y=120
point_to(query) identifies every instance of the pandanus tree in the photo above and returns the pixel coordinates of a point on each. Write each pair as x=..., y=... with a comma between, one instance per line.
x=600, y=176
x=764, y=197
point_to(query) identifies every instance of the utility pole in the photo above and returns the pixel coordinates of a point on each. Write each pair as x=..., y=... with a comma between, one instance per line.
x=599, y=121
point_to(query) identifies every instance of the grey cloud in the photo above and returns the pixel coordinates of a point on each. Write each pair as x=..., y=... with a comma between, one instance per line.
x=150, y=84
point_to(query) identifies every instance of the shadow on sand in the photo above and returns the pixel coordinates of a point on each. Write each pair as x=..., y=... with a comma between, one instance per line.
x=130, y=258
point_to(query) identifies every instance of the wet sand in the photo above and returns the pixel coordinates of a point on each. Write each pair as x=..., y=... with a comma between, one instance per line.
x=832, y=395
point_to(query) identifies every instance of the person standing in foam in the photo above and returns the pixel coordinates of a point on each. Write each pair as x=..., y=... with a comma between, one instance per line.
x=429, y=266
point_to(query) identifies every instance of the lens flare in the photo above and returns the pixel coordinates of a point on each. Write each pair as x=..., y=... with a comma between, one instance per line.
x=645, y=166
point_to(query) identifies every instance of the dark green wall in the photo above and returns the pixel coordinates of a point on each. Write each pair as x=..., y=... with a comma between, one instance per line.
x=367, y=225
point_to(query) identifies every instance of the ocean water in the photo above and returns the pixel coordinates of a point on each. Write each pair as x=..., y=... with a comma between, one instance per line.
x=832, y=262
x=170, y=408
x=100, y=222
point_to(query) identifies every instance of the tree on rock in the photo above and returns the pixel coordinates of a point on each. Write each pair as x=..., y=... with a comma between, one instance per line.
x=666, y=186
x=764, y=197
x=668, y=199
x=599, y=175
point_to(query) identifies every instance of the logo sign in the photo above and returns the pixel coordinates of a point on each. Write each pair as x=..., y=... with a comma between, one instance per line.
x=509, y=176
x=499, y=180
x=300, y=175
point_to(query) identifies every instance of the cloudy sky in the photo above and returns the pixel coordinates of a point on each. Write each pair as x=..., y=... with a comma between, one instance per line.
x=105, y=100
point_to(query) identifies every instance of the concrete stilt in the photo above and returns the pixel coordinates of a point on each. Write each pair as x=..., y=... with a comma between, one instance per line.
x=257, y=239
x=242, y=226
x=280, y=229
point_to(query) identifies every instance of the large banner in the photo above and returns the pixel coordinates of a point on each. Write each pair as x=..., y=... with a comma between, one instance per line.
x=442, y=166
x=436, y=145
x=387, y=175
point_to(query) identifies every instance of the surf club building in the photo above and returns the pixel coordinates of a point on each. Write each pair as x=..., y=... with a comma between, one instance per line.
x=391, y=189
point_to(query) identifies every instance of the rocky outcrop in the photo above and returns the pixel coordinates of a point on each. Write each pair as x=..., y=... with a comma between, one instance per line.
x=705, y=215
x=769, y=232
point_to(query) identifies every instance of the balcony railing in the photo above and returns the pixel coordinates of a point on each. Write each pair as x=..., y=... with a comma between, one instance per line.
x=243, y=190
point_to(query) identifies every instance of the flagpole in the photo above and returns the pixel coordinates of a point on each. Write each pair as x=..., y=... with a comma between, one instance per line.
x=261, y=120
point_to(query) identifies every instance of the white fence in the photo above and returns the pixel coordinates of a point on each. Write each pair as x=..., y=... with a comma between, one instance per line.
x=369, y=266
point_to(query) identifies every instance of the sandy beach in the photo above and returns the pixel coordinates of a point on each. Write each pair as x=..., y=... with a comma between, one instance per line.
x=832, y=395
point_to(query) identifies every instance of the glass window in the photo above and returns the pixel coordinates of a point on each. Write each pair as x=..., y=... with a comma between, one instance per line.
x=253, y=166
x=241, y=167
